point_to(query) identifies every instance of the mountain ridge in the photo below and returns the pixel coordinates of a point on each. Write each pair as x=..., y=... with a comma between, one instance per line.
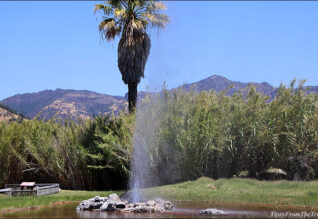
x=83, y=104
x=219, y=83
x=67, y=102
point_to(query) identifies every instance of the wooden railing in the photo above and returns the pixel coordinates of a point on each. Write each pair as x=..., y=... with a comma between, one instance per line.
x=7, y=191
x=47, y=190
x=12, y=185
x=40, y=189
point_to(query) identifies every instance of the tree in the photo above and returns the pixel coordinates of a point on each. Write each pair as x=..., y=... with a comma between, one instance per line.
x=131, y=19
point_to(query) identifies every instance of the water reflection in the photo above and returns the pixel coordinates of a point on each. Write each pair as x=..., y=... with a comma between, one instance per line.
x=181, y=210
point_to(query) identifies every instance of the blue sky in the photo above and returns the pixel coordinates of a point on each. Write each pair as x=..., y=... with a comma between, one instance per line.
x=49, y=45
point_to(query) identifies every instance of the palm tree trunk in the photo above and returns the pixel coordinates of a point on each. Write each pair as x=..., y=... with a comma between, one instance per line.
x=132, y=96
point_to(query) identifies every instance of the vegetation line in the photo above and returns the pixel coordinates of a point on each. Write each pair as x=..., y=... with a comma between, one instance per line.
x=225, y=193
x=13, y=210
x=64, y=196
x=248, y=193
x=196, y=134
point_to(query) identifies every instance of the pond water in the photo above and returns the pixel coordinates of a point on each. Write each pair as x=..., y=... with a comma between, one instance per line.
x=181, y=210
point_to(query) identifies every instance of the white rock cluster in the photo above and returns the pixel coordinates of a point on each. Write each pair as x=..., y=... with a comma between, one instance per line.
x=114, y=203
x=212, y=211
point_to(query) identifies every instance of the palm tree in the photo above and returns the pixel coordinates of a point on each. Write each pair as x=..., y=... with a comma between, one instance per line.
x=131, y=19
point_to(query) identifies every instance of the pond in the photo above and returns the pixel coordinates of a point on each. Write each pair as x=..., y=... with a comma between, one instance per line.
x=181, y=210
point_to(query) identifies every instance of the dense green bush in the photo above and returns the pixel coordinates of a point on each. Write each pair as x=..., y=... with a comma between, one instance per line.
x=216, y=135
x=42, y=151
x=78, y=155
x=193, y=134
x=108, y=146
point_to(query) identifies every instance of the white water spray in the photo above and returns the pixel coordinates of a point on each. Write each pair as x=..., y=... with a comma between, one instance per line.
x=145, y=130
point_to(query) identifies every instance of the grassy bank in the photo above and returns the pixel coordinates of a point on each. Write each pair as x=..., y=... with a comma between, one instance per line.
x=243, y=192
x=63, y=196
x=223, y=192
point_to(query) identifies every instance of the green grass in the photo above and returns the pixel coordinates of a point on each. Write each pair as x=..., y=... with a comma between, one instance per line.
x=7, y=202
x=244, y=192
x=240, y=192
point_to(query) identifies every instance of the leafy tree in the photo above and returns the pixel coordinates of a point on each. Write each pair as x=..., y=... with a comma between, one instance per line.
x=131, y=19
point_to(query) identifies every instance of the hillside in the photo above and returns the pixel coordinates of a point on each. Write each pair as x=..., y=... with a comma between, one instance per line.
x=7, y=114
x=66, y=103
x=312, y=89
x=84, y=104
x=219, y=83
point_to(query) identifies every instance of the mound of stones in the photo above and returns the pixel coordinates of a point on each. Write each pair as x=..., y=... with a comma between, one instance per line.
x=114, y=203
x=211, y=211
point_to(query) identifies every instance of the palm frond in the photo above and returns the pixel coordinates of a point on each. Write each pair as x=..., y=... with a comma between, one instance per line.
x=109, y=28
x=107, y=10
x=154, y=7
x=120, y=13
x=116, y=3
x=156, y=20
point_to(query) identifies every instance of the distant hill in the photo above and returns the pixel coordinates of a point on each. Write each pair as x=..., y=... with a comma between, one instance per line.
x=313, y=89
x=84, y=104
x=64, y=103
x=8, y=114
x=219, y=83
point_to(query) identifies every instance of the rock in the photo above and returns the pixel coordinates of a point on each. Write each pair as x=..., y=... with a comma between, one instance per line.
x=212, y=211
x=109, y=205
x=92, y=203
x=114, y=197
x=137, y=204
x=84, y=205
x=120, y=205
x=167, y=205
x=98, y=199
x=96, y=205
x=114, y=203
x=140, y=209
x=130, y=205
x=148, y=207
x=143, y=209
x=151, y=203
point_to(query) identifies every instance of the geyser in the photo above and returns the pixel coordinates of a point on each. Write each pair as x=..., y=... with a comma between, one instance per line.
x=145, y=130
